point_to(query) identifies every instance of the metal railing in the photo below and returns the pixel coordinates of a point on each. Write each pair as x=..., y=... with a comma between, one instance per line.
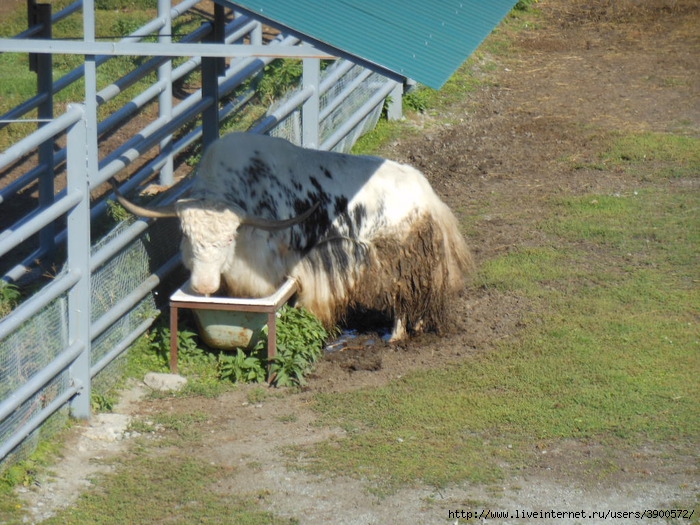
x=77, y=323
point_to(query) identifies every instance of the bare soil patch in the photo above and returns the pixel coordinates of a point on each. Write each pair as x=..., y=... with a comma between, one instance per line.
x=590, y=69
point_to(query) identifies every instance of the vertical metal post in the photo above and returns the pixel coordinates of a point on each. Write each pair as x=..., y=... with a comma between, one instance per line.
x=82, y=166
x=78, y=228
x=310, y=110
x=173, y=339
x=211, y=68
x=90, y=89
x=42, y=65
x=256, y=39
x=165, y=98
x=219, y=35
x=395, y=106
x=256, y=35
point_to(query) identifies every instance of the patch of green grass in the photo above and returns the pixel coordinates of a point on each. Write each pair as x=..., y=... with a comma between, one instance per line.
x=648, y=227
x=173, y=488
x=610, y=352
x=523, y=269
x=9, y=297
x=182, y=428
x=23, y=80
x=524, y=5
x=181, y=422
x=385, y=132
x=123, y=5
x=648, y=146
x=25, y=473
x=200, y=366
x=148, y=487
x=596, y=218
x=654, y=155
x=415, y=429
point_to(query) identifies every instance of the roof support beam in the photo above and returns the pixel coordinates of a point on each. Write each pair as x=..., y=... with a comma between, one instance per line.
x=77, y=47
x=310, y=110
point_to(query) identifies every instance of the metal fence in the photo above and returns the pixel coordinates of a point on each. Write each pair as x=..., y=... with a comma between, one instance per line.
x=72, y=327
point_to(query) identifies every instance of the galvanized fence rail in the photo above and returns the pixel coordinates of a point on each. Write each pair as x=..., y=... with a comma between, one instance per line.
x=72, y=329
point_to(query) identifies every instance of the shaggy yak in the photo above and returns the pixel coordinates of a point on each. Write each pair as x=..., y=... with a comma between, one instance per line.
x=360, y=234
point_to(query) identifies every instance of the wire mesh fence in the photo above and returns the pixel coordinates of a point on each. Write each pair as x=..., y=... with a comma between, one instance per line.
x=22, y=355
x=354, y=88
x=344, y=99
x=38, y=341
x=118, y=309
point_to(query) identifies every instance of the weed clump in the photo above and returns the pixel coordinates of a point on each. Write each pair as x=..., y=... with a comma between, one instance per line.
x=300, y=341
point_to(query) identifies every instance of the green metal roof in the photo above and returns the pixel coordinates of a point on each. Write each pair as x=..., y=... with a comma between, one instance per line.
x=425, y=40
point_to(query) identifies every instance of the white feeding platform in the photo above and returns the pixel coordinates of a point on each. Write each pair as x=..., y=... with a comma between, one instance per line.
x=229, y=322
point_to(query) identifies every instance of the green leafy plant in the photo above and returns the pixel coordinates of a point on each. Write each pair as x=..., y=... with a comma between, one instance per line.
x=9, y=297
x=117, y=212
x=25, y=473
x=190, y=354
x=186, y=341
x=101, y=403
x=279, y=76
x=300, y=341
x=242, y=367
x=22, y=474
x=419, y=99
x=524, y=5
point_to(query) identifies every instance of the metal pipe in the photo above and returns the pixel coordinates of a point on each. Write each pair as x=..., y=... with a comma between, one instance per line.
x=339, y=70
x=283, y=111
x=121, y=347
x=343, y=95
x=29, y=143
x=81, y=162
x=10, y=238
x=75, y=47
x=361, y=113
x=25, y=430
x=39, y=380
x=310, y=108
x=128, y=301
x=31, y=307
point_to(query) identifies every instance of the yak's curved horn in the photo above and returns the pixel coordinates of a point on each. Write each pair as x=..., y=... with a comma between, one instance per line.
x=274, y=225
x=151, y=213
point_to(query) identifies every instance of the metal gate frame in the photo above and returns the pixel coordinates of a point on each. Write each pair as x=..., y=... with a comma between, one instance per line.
x=86, y=171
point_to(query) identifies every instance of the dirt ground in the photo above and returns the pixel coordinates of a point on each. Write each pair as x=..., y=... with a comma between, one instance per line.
x=590, y=66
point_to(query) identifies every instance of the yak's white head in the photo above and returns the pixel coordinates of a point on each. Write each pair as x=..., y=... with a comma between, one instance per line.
x=209, y=231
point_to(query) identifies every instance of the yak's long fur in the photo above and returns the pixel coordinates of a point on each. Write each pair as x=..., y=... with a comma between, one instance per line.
x=408, y=275
x=380, y=238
